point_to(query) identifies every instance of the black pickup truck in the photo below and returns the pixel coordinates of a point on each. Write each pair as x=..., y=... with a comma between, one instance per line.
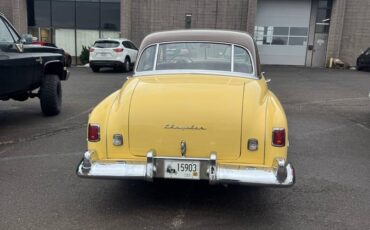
x=28, y=71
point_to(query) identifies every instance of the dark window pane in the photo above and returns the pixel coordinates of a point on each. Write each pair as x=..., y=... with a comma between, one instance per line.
x=87, y=15
x=63, y=14
x=110, y=16
x=106, y=44
x=298, y=41
x=133, y=46
x=281, y=30
x=267, y=40
x=42, y=13
x=128, y=45
x=298, y=31
x=322, y=15
x=322, y=28
x=279, y=40
x=325, y=4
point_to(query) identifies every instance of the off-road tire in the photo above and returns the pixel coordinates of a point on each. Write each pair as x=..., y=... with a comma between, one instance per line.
x=50, y=95
x=95, y=69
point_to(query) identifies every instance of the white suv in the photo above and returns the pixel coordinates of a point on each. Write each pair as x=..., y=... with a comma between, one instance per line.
x=117, y=53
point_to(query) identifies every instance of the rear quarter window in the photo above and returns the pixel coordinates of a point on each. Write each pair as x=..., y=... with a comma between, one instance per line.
x=242, y=61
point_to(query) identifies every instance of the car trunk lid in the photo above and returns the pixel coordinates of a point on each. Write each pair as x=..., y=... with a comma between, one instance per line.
x=204, y=112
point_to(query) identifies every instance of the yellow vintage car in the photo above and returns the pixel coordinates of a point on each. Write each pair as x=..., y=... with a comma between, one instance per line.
x=197, y=107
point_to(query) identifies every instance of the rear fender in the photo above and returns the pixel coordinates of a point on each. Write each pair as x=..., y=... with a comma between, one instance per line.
x=275, y=118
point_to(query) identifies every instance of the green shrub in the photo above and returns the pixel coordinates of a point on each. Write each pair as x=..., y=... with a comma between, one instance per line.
x=84, y=57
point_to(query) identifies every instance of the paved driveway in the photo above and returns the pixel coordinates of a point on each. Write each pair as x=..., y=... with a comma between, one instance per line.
x=329, y=120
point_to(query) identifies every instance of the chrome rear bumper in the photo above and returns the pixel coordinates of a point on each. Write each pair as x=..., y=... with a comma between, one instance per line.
x=281, y=174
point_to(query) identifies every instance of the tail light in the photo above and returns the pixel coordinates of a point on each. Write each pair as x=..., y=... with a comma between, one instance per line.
x=118, y=50
x=278, y=137
x=93, y=133
x=91, y=50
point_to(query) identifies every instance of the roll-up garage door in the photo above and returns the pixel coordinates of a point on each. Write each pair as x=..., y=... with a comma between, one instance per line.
x=281, y=31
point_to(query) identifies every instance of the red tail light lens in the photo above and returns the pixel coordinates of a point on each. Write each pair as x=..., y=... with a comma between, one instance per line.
x=118, y=50
x=93, y=133
x=278, y=137
x=91, y=50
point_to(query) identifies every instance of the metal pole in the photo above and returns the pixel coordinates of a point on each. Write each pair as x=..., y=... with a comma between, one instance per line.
x=76, y=58
x=99, y=18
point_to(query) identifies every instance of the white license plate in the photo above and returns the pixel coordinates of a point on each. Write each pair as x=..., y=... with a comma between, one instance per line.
x=182, y=169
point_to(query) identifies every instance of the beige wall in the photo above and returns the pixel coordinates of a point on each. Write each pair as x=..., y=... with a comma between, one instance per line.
x=16, y=13
x=141, y=17
x=349, y=30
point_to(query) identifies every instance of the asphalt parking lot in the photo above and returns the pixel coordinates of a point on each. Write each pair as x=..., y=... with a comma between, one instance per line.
x=329, y=119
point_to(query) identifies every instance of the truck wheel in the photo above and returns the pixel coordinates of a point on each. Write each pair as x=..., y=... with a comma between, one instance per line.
x=50, y=95
x=95, y=69
x=127, y=65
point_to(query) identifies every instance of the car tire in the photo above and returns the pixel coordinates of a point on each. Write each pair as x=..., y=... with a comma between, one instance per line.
x=69, y=61
x=50, y=95
x=127, y=65
x=95, y=69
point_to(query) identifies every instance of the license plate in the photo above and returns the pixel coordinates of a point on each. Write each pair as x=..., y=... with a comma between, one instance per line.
x=182, y=169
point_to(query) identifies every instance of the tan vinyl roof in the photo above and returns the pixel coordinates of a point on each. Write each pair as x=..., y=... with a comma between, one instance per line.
x=224, y=36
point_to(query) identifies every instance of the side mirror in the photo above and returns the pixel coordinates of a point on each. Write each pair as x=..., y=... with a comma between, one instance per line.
x=26, y=39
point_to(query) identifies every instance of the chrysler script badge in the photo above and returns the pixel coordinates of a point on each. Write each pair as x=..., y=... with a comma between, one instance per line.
x=192, y=127
x=183, y=148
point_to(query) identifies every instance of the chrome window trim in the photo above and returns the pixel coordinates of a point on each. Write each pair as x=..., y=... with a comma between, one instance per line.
x=155, y=57
x=205, y=72
x=232, y=58
x=195, y=71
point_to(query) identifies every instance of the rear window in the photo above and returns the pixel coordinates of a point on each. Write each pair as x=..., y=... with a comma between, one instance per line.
x=106, y=44
x=194, y=56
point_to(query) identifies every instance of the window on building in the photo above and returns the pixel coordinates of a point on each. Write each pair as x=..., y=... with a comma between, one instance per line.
x=87, y=15
x=63, y=14
x=110, y=16
x=270, y=35
x=323, y=16
x=42, y=15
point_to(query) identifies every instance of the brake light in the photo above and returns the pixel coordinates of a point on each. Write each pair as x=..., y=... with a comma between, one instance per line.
x=93, y=133
x=91, y=50
x=278, y=137
x=118, y=50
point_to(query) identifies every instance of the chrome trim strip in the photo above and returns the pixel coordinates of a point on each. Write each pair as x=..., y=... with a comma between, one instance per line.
x=155, y=57
x=232, y=59
x=281, y=174
x=206, y=72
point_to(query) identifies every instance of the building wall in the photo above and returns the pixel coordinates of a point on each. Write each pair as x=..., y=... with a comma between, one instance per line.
x=349, y=30
x=148, y=16
x=16, y=12
x=6, y=8
x=356, y=30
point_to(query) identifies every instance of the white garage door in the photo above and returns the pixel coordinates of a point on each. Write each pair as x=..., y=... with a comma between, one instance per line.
x=281, y=31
